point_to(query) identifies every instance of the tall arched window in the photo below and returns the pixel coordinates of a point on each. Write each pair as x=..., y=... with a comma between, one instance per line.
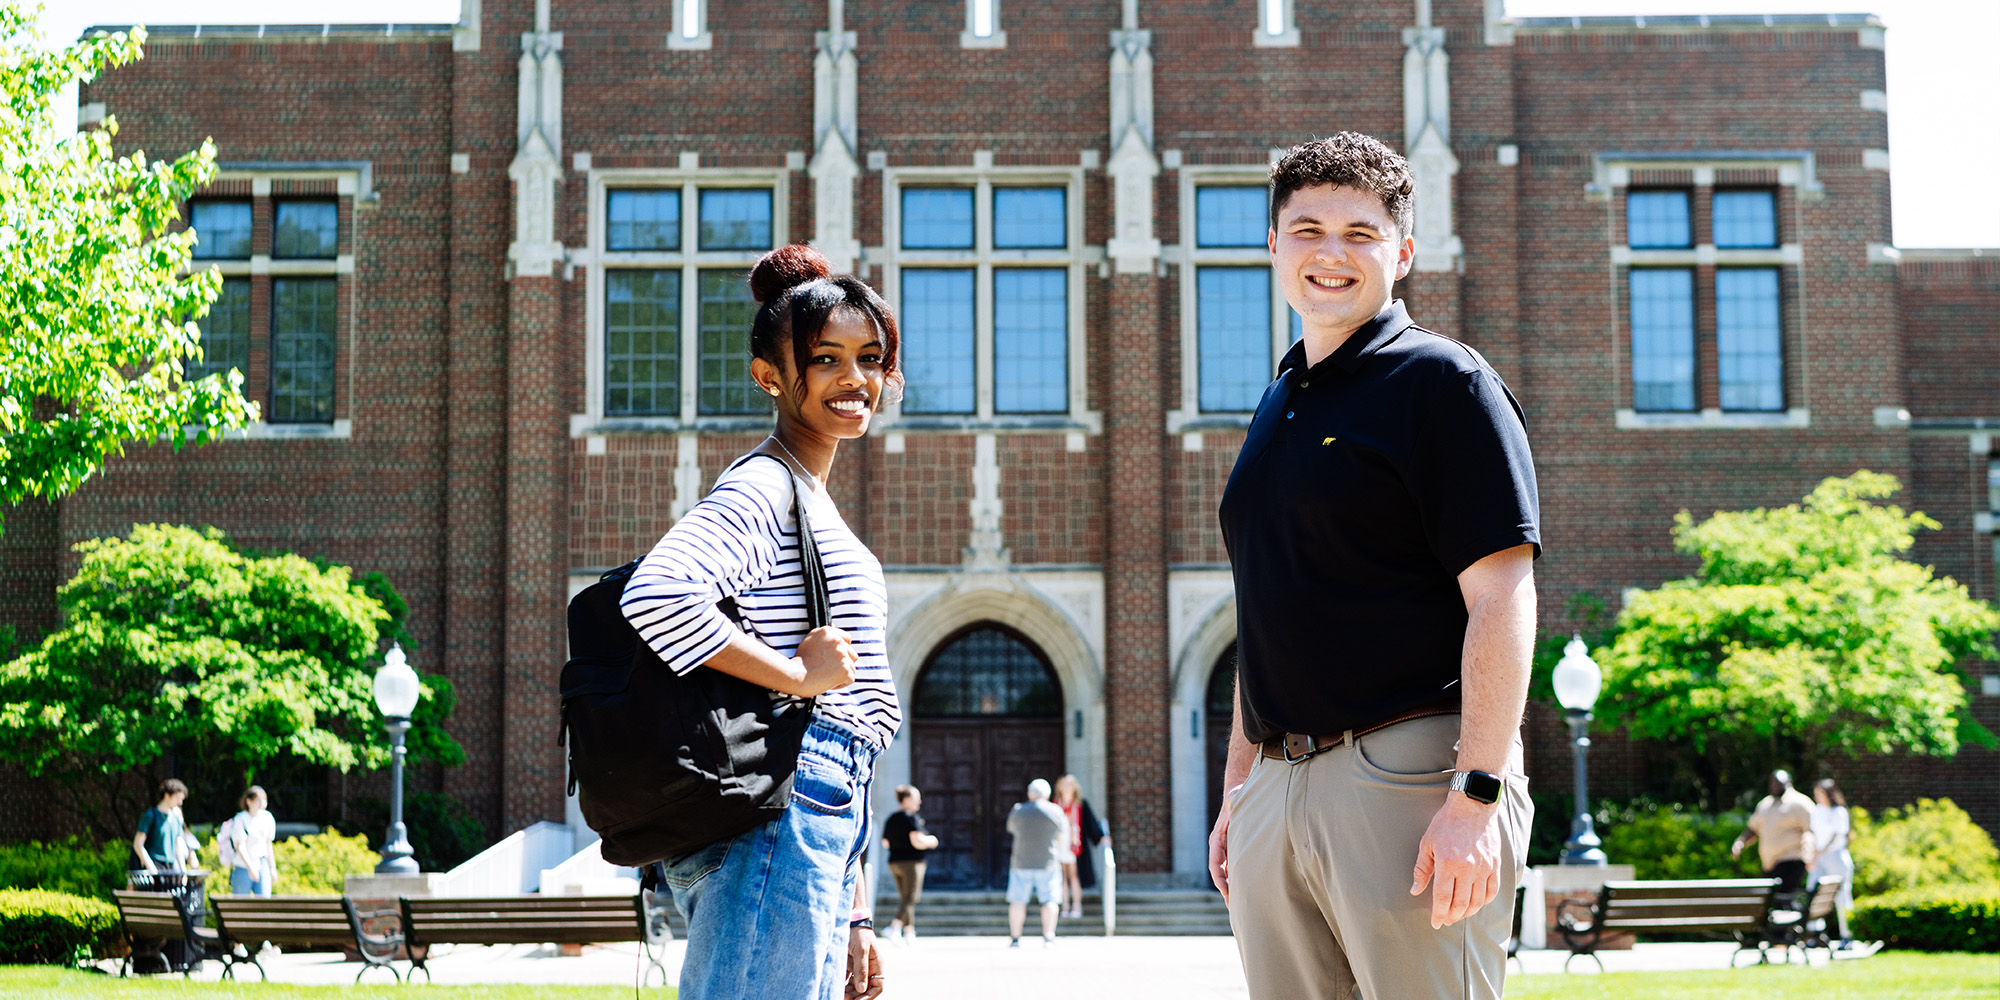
x=987, y=670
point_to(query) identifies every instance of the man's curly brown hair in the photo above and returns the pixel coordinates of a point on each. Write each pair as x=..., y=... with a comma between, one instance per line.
x=1348, y=159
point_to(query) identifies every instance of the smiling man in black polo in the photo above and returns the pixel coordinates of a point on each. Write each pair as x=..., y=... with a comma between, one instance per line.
x=1382, y=526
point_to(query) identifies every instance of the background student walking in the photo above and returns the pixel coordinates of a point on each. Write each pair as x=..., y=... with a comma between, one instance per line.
x=908, y=843
x=246, y=843
x=1831, y=826
x=162, y=843
x=1085, y=831
x=1041, y=844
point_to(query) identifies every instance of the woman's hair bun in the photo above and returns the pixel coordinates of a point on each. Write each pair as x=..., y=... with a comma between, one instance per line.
x=786, y=267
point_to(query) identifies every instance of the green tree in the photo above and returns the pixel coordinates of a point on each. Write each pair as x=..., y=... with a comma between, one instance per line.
x=95, y=315
x=173, y=642
x=1804, y=635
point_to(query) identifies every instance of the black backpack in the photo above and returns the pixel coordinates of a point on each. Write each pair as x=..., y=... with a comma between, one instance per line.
x=664, y=764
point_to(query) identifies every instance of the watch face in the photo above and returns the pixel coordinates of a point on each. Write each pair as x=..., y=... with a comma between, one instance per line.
x=1482, y=787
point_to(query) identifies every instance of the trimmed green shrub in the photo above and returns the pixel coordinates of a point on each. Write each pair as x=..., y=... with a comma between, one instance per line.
x=1939, y=918
x=316, y=864
x=73, y=866
x=38, y=927
x=1667, y=841
x=1930, y=844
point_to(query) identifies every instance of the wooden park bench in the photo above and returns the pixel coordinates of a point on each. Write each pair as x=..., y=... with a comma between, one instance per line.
x=1736, y=906
x=305, y=922
x=432, y=921
x=151, y=919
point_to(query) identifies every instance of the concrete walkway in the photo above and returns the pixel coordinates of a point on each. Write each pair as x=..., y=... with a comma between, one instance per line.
x=971, y=968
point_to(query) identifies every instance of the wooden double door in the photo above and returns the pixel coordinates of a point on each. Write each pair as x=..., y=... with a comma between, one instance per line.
x=972, y=771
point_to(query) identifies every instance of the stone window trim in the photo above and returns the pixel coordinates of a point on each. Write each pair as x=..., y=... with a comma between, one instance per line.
x=983, y=177
x=1189, y=417
x=973, y=37
x=689, y=28
x=1795, y=176
x=1277, y=24
x=690, y=179
x=354, y=193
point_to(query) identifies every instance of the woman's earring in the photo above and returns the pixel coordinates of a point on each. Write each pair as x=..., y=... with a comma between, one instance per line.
x=772, y=391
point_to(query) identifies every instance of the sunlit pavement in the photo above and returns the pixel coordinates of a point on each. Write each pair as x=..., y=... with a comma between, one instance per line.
x=955, y=967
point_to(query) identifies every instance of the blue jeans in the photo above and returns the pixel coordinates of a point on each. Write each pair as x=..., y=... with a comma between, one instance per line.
x=242, y=883
x=767, y=911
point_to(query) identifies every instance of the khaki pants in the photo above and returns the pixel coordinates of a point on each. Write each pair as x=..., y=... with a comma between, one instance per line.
x=909, y=888
x=1320, y=860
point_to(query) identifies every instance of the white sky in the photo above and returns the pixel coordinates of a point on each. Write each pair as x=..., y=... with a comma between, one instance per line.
x=1943, y=63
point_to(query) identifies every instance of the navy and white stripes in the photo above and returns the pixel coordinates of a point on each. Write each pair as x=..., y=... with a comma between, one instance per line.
x=742, y=540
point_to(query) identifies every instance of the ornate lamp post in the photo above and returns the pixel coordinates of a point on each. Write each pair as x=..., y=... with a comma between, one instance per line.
x=1577, y=680
x=396, y=695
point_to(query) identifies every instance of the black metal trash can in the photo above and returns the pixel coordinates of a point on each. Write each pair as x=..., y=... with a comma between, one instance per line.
x=187, y=885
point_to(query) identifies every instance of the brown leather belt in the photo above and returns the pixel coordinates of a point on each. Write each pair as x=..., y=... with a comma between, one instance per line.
x=1295, y=747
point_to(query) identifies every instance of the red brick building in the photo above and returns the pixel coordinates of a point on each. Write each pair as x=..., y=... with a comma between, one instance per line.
x=482, y=280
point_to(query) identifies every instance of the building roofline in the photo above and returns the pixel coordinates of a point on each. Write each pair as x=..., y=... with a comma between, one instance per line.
x=1699, y=22
x=280, y=32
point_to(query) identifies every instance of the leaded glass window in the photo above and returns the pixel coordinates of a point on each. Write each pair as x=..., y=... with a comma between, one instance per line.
x=937, y=340
x=1749, y=355
x=222, y=229
x=1658, y=220
x=302, y=348
x=1662, y=339
x=306, y=229
x=937, y=219
x=1030, y=340
x=1233, y=332
x=988, y=671
x=225, y=332
x=727, y=313
x=642, y=220
x=736, y=219
x=1231, y=217
x=1745, y=219
x=1029, y=218
x=642, y=342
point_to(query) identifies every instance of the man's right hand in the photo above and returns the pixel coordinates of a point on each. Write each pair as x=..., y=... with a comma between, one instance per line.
x=1218, y=847
x=828, y=657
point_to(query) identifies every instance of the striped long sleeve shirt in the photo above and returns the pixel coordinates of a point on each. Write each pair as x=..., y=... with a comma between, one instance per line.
x=742, y=541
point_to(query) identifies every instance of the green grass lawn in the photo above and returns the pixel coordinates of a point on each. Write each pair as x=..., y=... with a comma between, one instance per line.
x=1904, y=975
x=44, y=983
x=1890, y=976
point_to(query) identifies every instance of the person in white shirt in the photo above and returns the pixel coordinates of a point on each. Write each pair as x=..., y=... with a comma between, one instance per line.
x=1830, y=826
x=251, y=836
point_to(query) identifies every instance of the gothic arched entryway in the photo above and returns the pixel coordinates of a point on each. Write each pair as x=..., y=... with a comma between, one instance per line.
x=987, y=718
x=1219, y=711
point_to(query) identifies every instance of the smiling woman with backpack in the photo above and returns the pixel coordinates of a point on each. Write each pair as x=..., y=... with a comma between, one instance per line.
x=779, y=911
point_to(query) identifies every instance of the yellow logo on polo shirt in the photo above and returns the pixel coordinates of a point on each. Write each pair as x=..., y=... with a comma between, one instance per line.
x=1326, y=442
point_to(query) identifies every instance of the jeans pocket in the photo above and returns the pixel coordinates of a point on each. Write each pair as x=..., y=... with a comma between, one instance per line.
x=822, y=789
x=684, y=871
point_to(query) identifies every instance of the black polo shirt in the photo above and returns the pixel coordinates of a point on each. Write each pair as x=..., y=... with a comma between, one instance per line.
x=1367, y=483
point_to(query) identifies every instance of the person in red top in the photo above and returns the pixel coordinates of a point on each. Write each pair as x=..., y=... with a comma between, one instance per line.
x=1084, y=831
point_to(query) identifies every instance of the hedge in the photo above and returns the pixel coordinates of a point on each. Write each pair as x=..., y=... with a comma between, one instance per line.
x=1940, y=918
x=315, y=864
x=72, y=865
x=48, y=928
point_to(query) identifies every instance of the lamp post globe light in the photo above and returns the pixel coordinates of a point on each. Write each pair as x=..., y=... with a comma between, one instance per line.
x=396, y=695
x=1577, y=680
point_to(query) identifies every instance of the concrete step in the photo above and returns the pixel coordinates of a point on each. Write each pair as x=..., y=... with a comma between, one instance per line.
x=949, y=913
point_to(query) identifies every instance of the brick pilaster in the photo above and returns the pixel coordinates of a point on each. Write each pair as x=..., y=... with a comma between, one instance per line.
x=537, y=551
x=1135, y=577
